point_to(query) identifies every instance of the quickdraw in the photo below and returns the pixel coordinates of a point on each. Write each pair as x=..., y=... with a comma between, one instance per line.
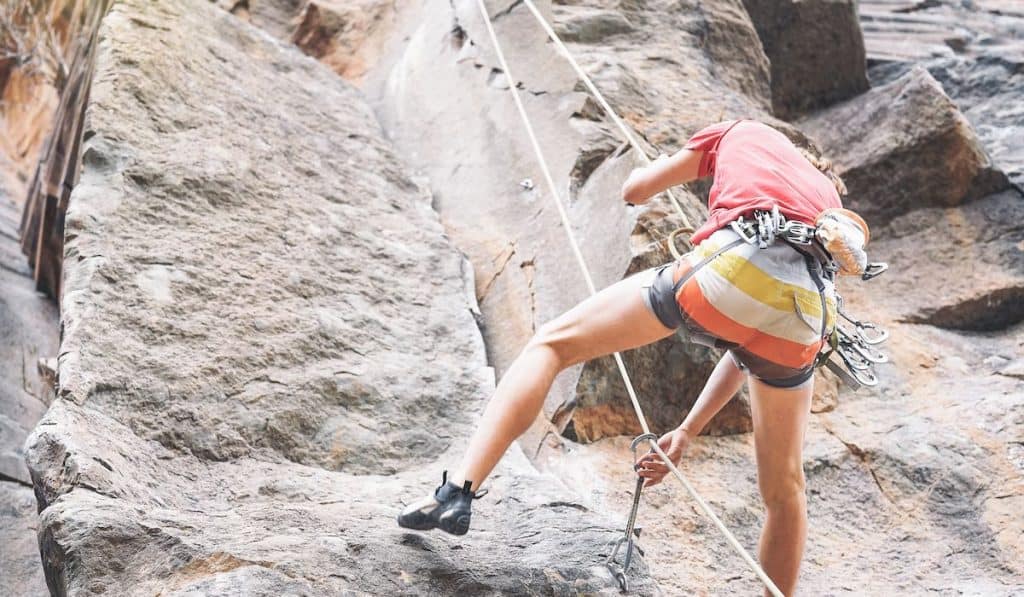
x=856, y=349
x=631, y=532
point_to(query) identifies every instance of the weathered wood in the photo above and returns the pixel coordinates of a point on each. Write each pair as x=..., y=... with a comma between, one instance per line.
x=42, y=222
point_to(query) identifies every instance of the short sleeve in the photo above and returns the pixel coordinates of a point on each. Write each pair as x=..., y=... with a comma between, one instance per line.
x=706, y=141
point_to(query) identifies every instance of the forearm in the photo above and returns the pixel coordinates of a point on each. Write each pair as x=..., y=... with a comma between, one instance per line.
x=721, y=386
x=647, y=181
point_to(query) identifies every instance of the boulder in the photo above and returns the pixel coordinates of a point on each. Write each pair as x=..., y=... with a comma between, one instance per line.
x=960, y=268
x=904, y=146
x=974, y=50
x=346, y=36
x=268, y=344
x=816, y=51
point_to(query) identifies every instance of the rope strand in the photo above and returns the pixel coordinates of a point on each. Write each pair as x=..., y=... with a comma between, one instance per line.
x=626, y=132
x=586, y=271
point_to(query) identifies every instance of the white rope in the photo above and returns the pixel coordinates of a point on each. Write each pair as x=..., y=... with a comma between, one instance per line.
x=626, y=132
x=590, y=286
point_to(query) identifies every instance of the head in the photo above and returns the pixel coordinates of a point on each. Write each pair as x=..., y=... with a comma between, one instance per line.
x=825, y=166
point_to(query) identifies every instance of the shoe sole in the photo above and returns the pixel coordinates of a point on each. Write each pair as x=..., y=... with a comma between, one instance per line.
x=454, y=525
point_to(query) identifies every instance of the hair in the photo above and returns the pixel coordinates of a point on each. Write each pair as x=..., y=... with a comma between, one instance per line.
x=825, y=166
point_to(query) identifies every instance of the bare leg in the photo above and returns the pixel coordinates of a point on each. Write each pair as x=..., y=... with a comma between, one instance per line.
x=614, y=319
x=780, y=422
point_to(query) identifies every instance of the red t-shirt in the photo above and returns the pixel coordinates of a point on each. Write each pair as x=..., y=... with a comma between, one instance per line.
x=756, y=167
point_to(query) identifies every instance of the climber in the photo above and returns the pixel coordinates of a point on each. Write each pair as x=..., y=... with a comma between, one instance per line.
x=759, y=282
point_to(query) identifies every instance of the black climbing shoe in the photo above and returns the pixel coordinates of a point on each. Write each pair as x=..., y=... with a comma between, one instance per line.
x=448, y=509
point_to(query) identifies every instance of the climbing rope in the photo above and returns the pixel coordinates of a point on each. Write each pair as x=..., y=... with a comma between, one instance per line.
x=542, y=162
x=626, y=132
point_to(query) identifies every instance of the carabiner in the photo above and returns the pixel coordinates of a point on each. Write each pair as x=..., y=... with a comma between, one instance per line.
x=854, y=362
x=875, y=356
x=874, y=270
x=881, y=336
x=866, y=378
x=631, y=530
x=862, y=326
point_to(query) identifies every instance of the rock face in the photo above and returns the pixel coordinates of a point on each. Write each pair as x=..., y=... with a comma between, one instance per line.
x=973, y=49
x=267, y=340
x=270, y=342
x=885, y=144
x=816, y=51
x=28, y=326
x=526, y=275
x=936, y=248
x=346, y=36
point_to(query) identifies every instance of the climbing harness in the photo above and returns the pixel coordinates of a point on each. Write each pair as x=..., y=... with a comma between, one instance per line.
x=631, y=528
x=855, y=349
x=553, y=189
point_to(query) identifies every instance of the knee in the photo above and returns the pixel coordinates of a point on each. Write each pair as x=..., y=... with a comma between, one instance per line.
x=785, y=491
x=552, y=339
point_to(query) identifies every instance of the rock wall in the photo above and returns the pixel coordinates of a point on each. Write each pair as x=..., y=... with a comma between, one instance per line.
x=526, y=274
x=270, y=341
x=267, y=340
x=28, y=326
x=816, y=51
x=973, y=49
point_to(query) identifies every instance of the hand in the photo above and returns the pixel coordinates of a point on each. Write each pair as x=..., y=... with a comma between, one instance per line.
x=631, y=192
x=650, y=466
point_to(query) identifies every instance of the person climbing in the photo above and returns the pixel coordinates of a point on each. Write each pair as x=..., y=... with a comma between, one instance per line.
x=759, y=283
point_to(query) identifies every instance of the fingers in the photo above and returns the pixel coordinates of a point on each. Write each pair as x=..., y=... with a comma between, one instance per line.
x=653, y=457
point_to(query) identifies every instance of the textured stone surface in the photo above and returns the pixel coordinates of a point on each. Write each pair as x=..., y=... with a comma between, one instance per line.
x=346, y=36
x=888, y=145
x=21, y=572
x=974, y=50
x=681, y=68
x=914, y=487
x=28, y=328
x=816, y=51
x=268, y=342
x=960, y=268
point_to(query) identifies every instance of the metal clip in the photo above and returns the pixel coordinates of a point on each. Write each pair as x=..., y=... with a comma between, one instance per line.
x=631, y=530
x=745, y=230
x=798, y=232
x=865, y=378
x=765, y=228
x=874, y=270
x=875, y=356
x=862, y=327
x=880, y=337
x=853, y=361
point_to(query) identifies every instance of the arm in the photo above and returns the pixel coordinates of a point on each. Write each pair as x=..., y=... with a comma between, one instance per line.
x=722, y=385
x=647, y=181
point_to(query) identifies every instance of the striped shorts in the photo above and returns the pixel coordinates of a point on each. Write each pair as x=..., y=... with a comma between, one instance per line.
x=763, y=305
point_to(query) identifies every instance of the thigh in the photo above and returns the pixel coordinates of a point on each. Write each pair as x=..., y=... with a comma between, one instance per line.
x=780, y=423
x=613, y=320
